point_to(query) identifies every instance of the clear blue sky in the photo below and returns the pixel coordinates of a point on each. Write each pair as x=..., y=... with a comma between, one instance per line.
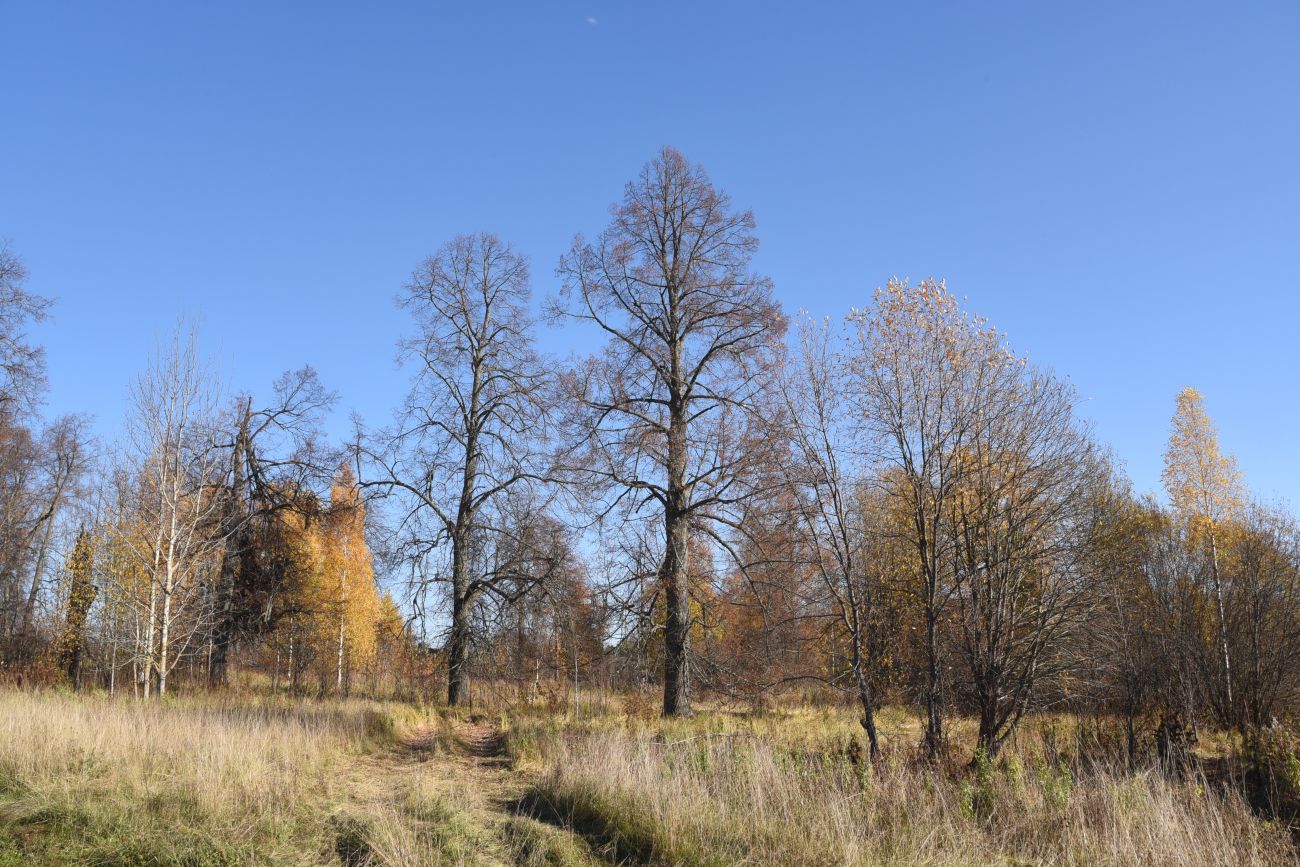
x=1116, y=185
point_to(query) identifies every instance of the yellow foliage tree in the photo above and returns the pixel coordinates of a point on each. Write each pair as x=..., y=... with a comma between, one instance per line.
x=348, y=578
x=337, y=607
x=1205, y=490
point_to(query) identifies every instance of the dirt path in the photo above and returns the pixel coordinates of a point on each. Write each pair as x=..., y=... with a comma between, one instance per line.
x=449, y=790
x=485, y=743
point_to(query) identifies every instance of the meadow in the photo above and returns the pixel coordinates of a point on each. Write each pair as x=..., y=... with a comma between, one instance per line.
x=251, y=779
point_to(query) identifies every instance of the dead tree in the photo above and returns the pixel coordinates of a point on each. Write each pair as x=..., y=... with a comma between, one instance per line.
x=275, y=461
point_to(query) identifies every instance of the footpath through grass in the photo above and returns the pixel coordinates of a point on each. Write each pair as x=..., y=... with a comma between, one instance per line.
x=218, y=781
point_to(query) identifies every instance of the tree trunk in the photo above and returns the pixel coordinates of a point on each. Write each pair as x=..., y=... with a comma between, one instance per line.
x=458, y=654
x=933, y=712
x=223, y=629
x=986, y=739
x=1230, y=707
x=674, y=573
x=292, y=667
x=150, y=636
x=859, y=624
x=29, y=609
x=865, y=697
x=459, y=638
x=869, y=721
x=164, y=637
x=338, y=684
x=677, y=628
x=112, y=656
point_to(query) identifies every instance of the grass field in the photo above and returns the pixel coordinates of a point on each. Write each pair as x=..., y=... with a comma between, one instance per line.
x=246, y=780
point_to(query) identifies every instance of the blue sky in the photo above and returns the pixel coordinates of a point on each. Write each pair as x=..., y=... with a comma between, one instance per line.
x=1115, y=185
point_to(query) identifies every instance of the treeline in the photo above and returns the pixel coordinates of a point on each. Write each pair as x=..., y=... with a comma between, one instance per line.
x=889, y=508
x=208, y=529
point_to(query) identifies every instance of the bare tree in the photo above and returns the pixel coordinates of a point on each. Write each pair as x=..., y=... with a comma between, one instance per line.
x=467, y=439
x=664, y=415
x=20, y=462
x=22, y=365
x=827, y=479
x=65, y=458
x=177, y=470
x=28, y=504
x=1021, y=525
x=1263, y=562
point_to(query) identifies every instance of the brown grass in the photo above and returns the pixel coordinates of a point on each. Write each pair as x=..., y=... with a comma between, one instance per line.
x=793, y=788
x=242, y=780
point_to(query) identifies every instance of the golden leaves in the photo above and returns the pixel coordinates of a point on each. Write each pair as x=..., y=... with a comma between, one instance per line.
x=1202, y=481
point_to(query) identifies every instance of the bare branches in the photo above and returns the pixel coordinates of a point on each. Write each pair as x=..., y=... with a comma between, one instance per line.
x=467, y=444
x=22, y=365
x=174, y=534
x=665, y=416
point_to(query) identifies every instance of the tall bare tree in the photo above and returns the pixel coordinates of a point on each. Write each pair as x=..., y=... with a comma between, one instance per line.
x=29, y=504
x=467, y=439
x=65, y=455
x=665, y=414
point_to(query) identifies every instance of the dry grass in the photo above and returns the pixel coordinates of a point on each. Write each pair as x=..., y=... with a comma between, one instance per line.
x=89, y=780
x=93, y=780
x=786, y=789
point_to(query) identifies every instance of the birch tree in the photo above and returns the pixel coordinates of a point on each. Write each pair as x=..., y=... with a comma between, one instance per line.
x=177, y=470
x=350, y=576
x=1205, y=490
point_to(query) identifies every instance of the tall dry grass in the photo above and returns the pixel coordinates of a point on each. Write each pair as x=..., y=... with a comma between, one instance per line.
x=96, y=780
x=692, y=796
x=243, y=780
